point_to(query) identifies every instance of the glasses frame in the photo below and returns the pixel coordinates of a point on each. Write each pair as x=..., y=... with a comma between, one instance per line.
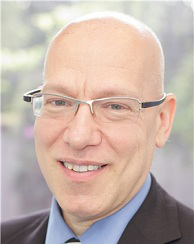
x=28, y=97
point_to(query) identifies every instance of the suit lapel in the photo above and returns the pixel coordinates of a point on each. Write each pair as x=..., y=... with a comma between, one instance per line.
x=38, y=234
x=132, y=235
x=156, y=222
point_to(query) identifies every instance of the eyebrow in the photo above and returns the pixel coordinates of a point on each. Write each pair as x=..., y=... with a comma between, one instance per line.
x=107, y=92
x=57, y=89
x=112, y=92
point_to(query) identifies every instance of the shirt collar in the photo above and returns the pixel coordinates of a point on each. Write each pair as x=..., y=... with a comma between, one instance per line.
x=58, y=231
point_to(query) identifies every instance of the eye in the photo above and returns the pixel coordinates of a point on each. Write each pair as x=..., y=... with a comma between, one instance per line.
x=58, y=102
x=116, y=106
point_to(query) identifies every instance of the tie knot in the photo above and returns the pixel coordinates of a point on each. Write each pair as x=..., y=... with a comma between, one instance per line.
x=73, y=241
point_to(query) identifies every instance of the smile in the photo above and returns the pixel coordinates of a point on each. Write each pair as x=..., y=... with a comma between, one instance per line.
x=81, y=168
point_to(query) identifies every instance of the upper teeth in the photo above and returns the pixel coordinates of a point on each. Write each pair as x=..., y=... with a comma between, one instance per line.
x=81, y=168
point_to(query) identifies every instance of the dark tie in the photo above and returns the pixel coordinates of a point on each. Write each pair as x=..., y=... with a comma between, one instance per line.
x=73, y=241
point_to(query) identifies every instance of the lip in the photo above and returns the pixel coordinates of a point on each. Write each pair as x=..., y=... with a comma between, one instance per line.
x=84, y=176
x=80, y=162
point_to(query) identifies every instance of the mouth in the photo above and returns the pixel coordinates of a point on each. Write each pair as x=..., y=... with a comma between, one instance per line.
x=81, y=168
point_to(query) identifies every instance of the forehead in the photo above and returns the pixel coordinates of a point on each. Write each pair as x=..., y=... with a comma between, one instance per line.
x=97, y=82
x=95, y=57
x=104, y=42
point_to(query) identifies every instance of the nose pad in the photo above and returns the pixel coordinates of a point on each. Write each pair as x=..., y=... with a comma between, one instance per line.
x=76, y=107
x=84, y=102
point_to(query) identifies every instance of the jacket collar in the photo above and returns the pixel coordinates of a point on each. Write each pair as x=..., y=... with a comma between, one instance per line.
x=156, y=221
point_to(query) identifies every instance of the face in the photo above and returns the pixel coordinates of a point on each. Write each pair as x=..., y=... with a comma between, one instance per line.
x=96, y=67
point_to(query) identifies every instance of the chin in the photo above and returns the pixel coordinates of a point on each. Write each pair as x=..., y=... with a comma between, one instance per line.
x=82, y=208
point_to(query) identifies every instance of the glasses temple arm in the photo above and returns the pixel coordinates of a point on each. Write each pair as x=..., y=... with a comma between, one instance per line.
x=27, y=97
x=153, y=103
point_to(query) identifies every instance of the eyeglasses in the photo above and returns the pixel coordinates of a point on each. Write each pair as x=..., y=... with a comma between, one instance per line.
x=109, y=109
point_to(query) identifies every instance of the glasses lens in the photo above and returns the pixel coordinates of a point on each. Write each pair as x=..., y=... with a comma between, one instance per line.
x=53, y=106
x=106, y=110
x=116, y=109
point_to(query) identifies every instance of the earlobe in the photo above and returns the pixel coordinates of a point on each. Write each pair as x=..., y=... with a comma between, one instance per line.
x=165, y=120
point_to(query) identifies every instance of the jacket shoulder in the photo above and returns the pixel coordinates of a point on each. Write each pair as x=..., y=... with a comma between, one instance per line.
x=186, y=222
x=160, y=219
x=25, y=229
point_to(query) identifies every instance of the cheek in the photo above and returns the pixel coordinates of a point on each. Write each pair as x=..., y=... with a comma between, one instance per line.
x=46, y=132
x=125, y=139
x=133, y=151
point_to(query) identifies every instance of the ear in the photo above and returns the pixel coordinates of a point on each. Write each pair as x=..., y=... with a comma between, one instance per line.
x=165, y=119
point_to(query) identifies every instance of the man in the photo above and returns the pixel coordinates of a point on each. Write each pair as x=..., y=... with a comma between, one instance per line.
x=100, y=114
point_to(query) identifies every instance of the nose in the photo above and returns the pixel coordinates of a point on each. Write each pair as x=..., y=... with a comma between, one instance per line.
x=82, y=131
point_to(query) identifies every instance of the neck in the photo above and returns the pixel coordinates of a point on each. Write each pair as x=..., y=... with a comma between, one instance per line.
x=76, y=225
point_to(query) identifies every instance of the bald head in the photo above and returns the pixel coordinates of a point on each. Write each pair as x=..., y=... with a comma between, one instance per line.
x=109, y=39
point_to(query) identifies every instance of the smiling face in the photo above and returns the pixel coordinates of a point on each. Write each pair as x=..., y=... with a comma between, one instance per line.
x=90, y=60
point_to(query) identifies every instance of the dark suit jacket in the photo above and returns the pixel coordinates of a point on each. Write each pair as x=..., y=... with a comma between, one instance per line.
x=160, y=219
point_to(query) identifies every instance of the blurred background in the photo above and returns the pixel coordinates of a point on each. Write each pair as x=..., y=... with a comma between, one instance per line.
x=27, y=28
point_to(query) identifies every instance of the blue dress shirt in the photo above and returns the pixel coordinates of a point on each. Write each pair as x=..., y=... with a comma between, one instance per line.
x=58, y=231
